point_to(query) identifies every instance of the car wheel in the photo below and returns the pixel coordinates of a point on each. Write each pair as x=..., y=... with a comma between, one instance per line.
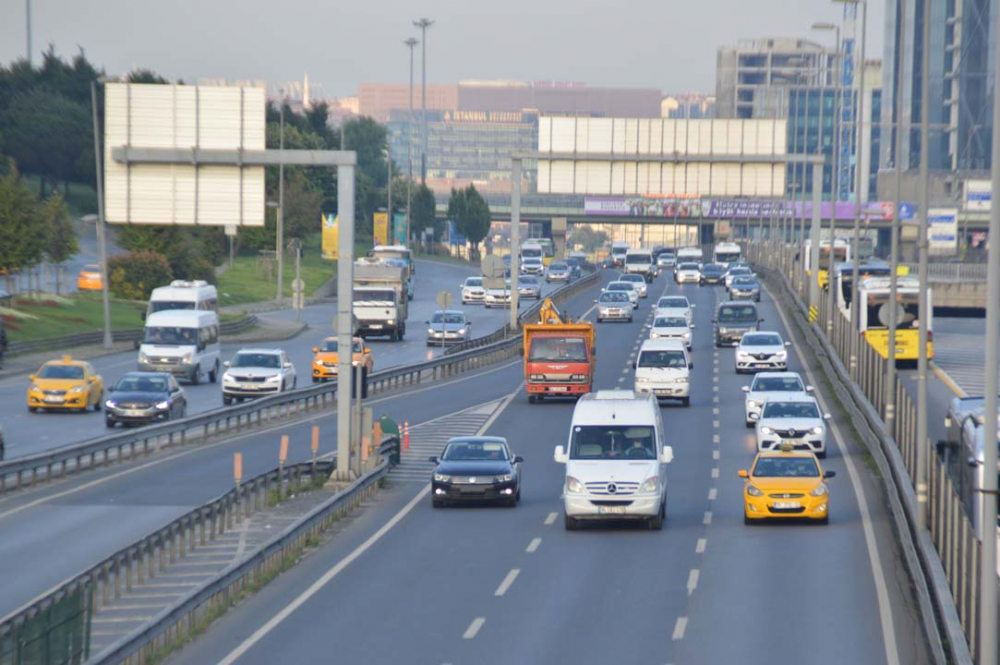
x=315, y=379
x=214, y=374
x=825, y=520
x=571, y=523
x=97, y=404
x=227, y=400
x=750, y=424
x=747, y=520
x=32, y=409
x=685, y=401
x=511, y=502
x=630, y=319
x=283, y=387
x=656, y=523
x=295, y=382
x=195, y=376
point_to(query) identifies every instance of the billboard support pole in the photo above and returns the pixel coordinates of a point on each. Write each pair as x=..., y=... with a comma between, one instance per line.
x=515, y=233
x=102, y=248
x=345, y=329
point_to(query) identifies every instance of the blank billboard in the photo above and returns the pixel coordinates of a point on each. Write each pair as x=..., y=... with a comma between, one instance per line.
x=189, y=118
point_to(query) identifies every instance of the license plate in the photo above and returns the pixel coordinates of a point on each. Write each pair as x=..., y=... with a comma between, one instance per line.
x=375, y=326
x=558, y=389
x=787, y=505
x=52, y=399
x=760, y=364
x=134, y=413
x=611, y=510
x=791, y=442
x=250, y=386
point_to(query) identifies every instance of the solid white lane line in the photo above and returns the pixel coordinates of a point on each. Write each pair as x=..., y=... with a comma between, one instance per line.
x=874, y=555
x=708, y=518
x=551, y=519
x=533, y=545
x=328, y=576
x=473, y=628
x=692, y=580
x=679, y=628
x=507, y=581
x=700, y=547
x=712, y=493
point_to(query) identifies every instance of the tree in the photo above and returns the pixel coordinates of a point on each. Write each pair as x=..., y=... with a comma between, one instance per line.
x=423, y=210
x=21, y=224
x=587, y=238
x=61, y=240
x=471, y=214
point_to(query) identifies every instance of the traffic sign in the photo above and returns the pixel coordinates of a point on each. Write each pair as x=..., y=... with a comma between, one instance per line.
x=231, y=230
x=494, y=282
x=444, y=299
x=906, y=211
x=493, y=266
x=298, y=286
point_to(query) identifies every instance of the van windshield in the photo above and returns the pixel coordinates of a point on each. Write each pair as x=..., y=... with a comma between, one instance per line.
x=640, y=259
x=165, y=305
x=171, y=336
x=610, y=442
x=738, y=314
x=531, y=252
x=662, y=359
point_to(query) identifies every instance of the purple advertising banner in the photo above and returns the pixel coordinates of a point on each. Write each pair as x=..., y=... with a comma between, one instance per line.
x=649, y=206
x=643, y=206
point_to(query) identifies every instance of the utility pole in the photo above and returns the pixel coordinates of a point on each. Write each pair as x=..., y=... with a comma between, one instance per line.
x=279, y=244
x=27, y=25
x=410, y=43
x=987, y=652
x=515, y=238
x=102, y=248
x=423, y=24
x=859, y=175
x=890, y=371
x=924, y=306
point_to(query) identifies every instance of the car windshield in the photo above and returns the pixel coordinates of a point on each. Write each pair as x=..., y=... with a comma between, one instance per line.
x=620, y=286
x=744, y=280
x=559, y=349
x=614, y=296
x=267, y=360
x=609, y=442
x=144, y=384
x=468, y=451
x=165, y=305
x=785, y=467
x=734, y=272
x=662, y=359
x=448, y=317
x=632, y=278
x=738, y=314
x=558, y=266
x=777, y=384
x=760, y=340
x=528, y=280
x=673, y=303
x=90, y=267
x=60, y=372
x=689, y=266
x=713, y=268
x=790, y=410
x=170, y=336
x=331, y=346
x=531, y=252
x=669, y=322
x=474, y=281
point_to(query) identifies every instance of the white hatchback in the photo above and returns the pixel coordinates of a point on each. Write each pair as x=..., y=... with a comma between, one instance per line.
x=793, y=420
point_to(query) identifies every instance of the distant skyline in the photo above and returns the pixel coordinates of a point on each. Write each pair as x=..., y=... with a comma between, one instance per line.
x=666, y=45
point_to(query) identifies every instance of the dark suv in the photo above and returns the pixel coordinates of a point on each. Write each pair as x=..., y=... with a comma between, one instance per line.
x=732, y=319
x=712, y=273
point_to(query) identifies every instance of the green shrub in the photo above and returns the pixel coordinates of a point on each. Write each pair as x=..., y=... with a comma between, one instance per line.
x=134, y=275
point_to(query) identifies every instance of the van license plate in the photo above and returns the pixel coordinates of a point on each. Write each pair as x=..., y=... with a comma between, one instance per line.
x=611, y=510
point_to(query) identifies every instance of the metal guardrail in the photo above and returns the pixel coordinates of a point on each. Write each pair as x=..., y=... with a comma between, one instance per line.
x=91, y=338
x=953, y=272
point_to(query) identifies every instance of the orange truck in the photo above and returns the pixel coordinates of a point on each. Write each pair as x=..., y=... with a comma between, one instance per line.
x=558, y=355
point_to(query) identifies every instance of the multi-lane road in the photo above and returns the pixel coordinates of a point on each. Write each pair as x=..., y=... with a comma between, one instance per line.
x=27, y=433
x=402, y=582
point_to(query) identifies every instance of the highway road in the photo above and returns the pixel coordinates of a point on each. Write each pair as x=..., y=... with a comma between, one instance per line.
x=29, y=433
x=402, y=582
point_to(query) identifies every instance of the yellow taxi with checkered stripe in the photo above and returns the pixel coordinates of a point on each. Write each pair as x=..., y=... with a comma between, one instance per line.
x=65, y=384
x=786, y=484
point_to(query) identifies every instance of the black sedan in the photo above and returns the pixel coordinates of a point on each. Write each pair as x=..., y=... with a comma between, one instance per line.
x=712, y=273
x=144, y=397
x=480, y=468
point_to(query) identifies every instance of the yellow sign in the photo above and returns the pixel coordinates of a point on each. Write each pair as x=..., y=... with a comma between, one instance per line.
x=381, y=228
x=331, y=236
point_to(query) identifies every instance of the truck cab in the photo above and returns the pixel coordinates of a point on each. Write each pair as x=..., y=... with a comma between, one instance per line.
x=558, y=356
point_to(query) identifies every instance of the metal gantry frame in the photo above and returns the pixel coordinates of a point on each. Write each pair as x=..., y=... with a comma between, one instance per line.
x=345, y=163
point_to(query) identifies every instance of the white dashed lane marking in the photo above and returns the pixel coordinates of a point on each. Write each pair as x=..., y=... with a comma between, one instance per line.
x=533, y=545
x=693, y=580
x=679, y=628
x=551, y=519
x=708, y=518
x=507, y=581
x=473, y=628
x=700, y=547
x=712, y=493
x=715, y=472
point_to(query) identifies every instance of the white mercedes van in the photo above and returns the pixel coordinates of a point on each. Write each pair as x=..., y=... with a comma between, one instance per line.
x=616, y=460
x=184, y=342
x=181, y=294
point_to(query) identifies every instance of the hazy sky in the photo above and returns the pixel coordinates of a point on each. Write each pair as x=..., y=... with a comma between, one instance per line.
x=665, y=44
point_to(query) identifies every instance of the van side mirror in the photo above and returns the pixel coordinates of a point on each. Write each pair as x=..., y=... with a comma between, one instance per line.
x=809, y=389
x=561, y=456
x=745, y=389
x=692, y=305
x=287, y=365
x=315, y=349
x=692, y=326
x=432, y=459
x=760, y=320
x=742, y=473
x=667, y=455
x=226, y=363
x=826, y=416
x=690, y=365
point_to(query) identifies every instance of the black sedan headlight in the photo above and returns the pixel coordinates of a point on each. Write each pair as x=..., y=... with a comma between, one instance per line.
x=442, y=478
x=505, y=478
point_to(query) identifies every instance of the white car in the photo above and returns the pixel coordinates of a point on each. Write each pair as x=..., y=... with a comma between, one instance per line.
x=675, y=306
x=626, y=287
x=794, y=420
x=256, y=372
x=770, y=385
x=663, y=369
x=667, y=326
x=531, y=265
x=473, y=291
x=614, y=305
x=666, y=260
x=761, y=350
x=736, y=271
x=639, y=281
x=688, y=272
x=497, y=297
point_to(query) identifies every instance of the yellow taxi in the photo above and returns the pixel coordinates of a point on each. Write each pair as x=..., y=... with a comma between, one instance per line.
x=786, y=483
x=324, y=365
x=89, y=278
x=65, y=384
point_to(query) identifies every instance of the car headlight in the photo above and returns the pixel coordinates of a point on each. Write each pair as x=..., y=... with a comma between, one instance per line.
x=578, y=377
x=77, y=389
x=742, y=354
x=781, y=355
x=188, y=358
x=430, y=331
x=817, y=430
x=766, y=430
x=820, y=491
x=34, y=388
x=227, y=378
x=575, y=486
x=752, y=404
x=753, y=491
x=318, y=363
x=110, y=404
x=505, y=478
x=273, y=379
x=442, y=478
x=537, y=377
x=461, y=331
x=641, y=379
x=686, y=335
x=143, y=358
x=164, y=405
x=650, y=485
x=682, y=379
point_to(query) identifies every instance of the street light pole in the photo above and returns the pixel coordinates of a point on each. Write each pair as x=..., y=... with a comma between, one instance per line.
x=27, y=26
x=423, y=24
x=834, y=172
x=924, y=307
x=102, y=248
x=279, y=245
x=890, y=371
x=410, y=43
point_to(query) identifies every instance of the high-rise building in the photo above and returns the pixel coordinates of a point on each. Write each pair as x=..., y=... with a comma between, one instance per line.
x=961, y=46
x=690, y=105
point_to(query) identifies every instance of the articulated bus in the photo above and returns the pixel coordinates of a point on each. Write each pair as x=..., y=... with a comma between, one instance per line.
x=841, y=254
x=873, y=316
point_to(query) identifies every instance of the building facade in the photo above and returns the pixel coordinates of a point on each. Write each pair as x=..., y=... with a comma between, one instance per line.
x=692, y=105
